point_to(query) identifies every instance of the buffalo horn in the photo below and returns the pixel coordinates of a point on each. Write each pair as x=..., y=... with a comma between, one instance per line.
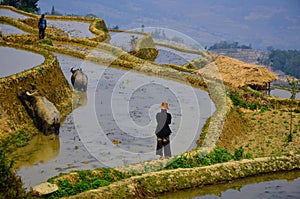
x=30, y=94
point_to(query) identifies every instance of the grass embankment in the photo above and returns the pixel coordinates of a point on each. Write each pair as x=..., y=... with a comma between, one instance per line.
x=262, y=125
x=151, y=184
x=17, y=127
x=50, y=82
x=47, y=78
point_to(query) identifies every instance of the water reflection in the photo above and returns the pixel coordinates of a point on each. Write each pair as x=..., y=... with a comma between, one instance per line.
x=79, y=99
x=71, y=155
x=40, y=149
x=277, y=185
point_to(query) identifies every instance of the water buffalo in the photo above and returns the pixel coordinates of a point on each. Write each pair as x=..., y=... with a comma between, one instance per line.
x=79, y=79
x=44, y=111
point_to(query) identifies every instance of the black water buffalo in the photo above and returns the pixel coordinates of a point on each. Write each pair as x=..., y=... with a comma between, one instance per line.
x=79, y=79
x=44, y=111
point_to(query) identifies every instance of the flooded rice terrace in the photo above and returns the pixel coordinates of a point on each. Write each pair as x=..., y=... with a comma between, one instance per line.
x=74, y=29
x=113, y=122
x=171, y=56
x=8, y=29
x=12, y=14
x=283, y=93
x=10, y=65
x=269, y=186
x=124, y=40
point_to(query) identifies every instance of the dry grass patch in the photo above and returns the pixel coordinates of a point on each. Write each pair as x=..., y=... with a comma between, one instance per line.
x=261, y=133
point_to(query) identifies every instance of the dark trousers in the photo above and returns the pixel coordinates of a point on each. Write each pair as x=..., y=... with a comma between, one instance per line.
x=41, y=33
x=163, y=144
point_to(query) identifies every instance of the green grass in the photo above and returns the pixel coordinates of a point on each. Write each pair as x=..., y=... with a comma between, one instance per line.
x=218, y=155
x=86, y=180
x=16, y=140
x=47, y=41
x=20, y=139
x=10, y=183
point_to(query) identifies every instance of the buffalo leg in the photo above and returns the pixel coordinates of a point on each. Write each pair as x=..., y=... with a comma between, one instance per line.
x=56, y=129
x=45, y=129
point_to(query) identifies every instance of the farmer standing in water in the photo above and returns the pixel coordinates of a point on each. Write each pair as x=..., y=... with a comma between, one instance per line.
x=163, y=131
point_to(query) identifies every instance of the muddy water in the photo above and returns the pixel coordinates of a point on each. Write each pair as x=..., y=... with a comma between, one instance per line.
x=15, y=61
x=53, y=155
x=114, y=122
x=279, y=185
x=121, y=108
x=73, y=28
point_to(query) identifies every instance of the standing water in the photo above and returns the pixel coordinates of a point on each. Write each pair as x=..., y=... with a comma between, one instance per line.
x=278, y=185
x=114, y=122
x=15, y=61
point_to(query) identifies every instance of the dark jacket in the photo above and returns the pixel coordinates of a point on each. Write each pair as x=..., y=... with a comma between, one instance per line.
x=42, y=23
x=163, y=119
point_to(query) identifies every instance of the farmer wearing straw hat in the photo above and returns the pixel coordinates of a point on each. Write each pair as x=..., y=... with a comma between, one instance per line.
x=163, y=131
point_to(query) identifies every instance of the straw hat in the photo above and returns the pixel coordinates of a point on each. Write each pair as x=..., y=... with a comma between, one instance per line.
x=164, y=105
